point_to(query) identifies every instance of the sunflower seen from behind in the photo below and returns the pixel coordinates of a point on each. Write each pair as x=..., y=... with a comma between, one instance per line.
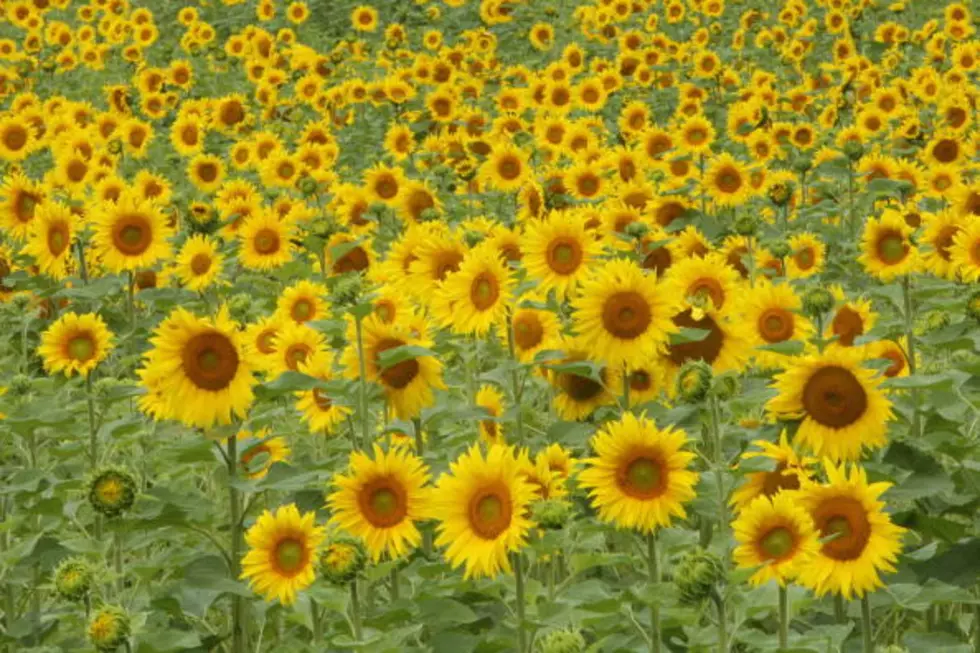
x=380, y=498
x=639, y=477
x=75, y=344
x=776, y=537
x=283, y=549
x=481, y=506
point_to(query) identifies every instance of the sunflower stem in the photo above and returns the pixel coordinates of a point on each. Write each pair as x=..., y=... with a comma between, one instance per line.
x=131, y=300
x=355, y=611
x=840, y=614
x=719, y=600
x=866, y=633
x=653, y=565
x=704, y=196
x=237, y=632
x=910, y=345
x=515, y=380
x=317, y=621
x=117, y=560
x=82, y=267
x=393, y=577
x=783, y=617
x=519, y=581
x=362, y=403
x=93, y=443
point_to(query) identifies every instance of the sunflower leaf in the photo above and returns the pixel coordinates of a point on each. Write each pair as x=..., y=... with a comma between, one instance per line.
x=788, y=347
x=687, y=334
x=391, y=357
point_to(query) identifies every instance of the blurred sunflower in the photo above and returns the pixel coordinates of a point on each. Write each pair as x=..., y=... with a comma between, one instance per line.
x=491, y=400
x=887, y=251
x=476, y=296
x=50, y=239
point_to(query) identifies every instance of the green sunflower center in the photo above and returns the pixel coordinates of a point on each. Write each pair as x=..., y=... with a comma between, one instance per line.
x=892, y=248
x=384, y=502
x=289, y=555
x=131, y=235
x=643, y=474
x=81, y=348
x=777, y=543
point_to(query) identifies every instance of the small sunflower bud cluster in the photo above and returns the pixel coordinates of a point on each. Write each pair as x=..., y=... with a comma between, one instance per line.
x=73, y=578
x=552, y=514
x=112, y=491
x=342, y=559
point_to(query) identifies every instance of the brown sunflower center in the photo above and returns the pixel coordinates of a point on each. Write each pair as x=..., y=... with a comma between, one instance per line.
x=24, y=206
x=579, y=388
x=847, y=325
x=777, y=543
x=132, y=234
x=207, y=172
x=897, y=359
x=383, y=502
x=302, y=310
x=15, y=138
x=707, y=288
x=58, y=238
x=484, y=291
x=778, y=480
x=776, y=325
x=804, y=258
x=728, y=180
x=626, y=315
x=509, y=167
x=528, y=331
x=564, y=255
x=446, y=263
x=891, y=247
x=200, y=264
x=81, y=347
x=946, y=151
x=265, y=342
x=834, y=397
x=845, y=520
x=399, y=375
x=266, y=241
x=297, y=353
x=490, y=511
x=210, y=360
x=642, y=476
x=658, y=260
x=706, y=349
x=944, y=240
x=290, y=556
x=640, y=381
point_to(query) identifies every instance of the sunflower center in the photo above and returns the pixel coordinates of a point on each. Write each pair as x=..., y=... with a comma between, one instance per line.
x=626, y=315
x=81, y=347
x=24, y=207
x=302, y=310
x=527, y=331
x=353, y=261
x=898, y=363
x=490, y=511
x=844, y=521
x=777, y=543
x=946, y=151
x=834, y=397
x=706, y=349
x=707, y=288
x=15, y=138
x=776, y=325
x=564, y=255
x=944, y=241
x=110, y=491
x=484, y=291
x=289, y=555
x=383, y=502
x=847, y=325
x=891, y=247
x=210, y=361
x=640, y=380
x=804, y=258
x=265, y=342
x=132, y=234
x=58, y=239
x=509, y=168
x=397, y=376
x=200, y=264
x=446, y=263
x=642, y=477
x=729, y=180
x=297, y=354
x=580, y=388
x=266, y=241
x=658, y=260
x=778, y=480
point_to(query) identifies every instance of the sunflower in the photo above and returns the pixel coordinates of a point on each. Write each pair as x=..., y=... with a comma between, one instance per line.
x=939, y=232
x=852, y=318
x=283, y=549
x=256, y=460
x=364, y=18
x=435, y=257
x=577, y=396
x=130, y=234
x=259, y=341
x=303, y=302
x=315, y=406
x=806, y=257
x=621, y=315
x=725, y=346
x=789, y=470
x=481, y=506
x=841, y=408
x=50, y=240
x=547, y=483
x=198, y=369
x=199, y=263
x=490, y=399
x=294, y=343
x=266, y=242
x=19, y=199
x=773, y=312
x=381, y=499
x=75, y=343
x=206, y=172
x=704, y=283
x=965, y=252
x=776, y=535
x=506, y=169
x=886, y=248
x=17, y=138
x=408, y=384
x=639, y=478
x=385, y=184
x=726, y=181
x=894, y=351
x=476, y=296
x=859, y=539
x=695, y=135
x=533, y=329
x=558, y=251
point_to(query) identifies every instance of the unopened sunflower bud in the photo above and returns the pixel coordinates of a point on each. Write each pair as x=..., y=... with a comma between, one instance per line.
x=935, y=320
x=725, y=387
x=112, y=491
x=565, y=640
x=552, y=514
x=109, y=628
x=746, y=224
x=779, y=248
x=802, y=164
x=114, y=147
x=697, y=574
x=853, y=150
x=239, y=304
x=694, y=381
x=973, y=305
x=307, y=186
x=342, y=559
x=817, y=301
x=780, y=193
x=20, y=385
x=73, y=578
x=473, y=238
x=637, y=230
x=347, y=289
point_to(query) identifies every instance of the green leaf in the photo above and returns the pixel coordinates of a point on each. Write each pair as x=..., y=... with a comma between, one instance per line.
x=688, y=334
x=443, y=611
x=391, y=357
x=788, y=347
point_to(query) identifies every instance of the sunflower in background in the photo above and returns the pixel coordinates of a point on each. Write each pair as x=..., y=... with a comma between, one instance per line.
x=476, y=296
x=19, y=199
x=265, y=242
x=199, y=263
x=558, y=252
x=304, y=301
x=283, y=549
x=75, y=343
x=321, y=413
x=130, y=234
x=576, y=395
x=50, y=239
x=256, y=459
x=789, y=470
x=807, y=255
x=773, y=312
x=965, y=251
x=887, y=251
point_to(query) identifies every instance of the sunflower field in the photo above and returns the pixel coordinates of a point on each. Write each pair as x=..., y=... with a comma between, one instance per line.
x=480, y=326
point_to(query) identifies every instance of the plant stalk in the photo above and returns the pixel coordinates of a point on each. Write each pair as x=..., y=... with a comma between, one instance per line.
x=866, y=633
x=653, y=565
x=521, y=618
x=783, y=617
x=355, y=612
x=237, y=625
x=362, y=403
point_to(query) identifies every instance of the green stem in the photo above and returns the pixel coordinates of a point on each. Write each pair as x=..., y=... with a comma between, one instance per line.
x=317, y=621
x=515, y=380
x=82, y=267
x=719, y=600
x=36, y=604
x=395, y=591
x=521, y=619
x=653, y=568
x=355, y=611
x=131, y=300
x=626, y=390
x=976, y=628
x=840, y=614
x=117, y=560
x=237, y=625
x=93, y=443
x=910, y=345
x=818, y=336
x=866, y=633
x=362, y=403
x=783, y=617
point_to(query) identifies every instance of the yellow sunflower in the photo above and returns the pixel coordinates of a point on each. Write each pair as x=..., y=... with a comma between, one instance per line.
x=558, y=252
x=315, y=406
x=130, y=234
x=533, y=328
x=704, y=283
x=576, y=395
x=859, y=539
x=303, y=302
x=965, y=252
x=506, y=169
x=726, y=181
x=776, y=535
x=789, y=470
x=75, y=343
x=256, y=460
x=198, y=370
x=293, y=344
x=19, y=200
x=807, y=256
x=481, y=506
x=381, y=499
x=621, y=315
x=839, y=403
x=259, y=341
x=852, y=318
x=886, y=248
x=434, y=258
x=283, y=548
x=17, y=138
x=639, y=478
x=491, y=400
x=50, y=240
x=206, y=172
x=266, y=242
x=894, y=351
x=773, y=313
x=475, y=297
x=199, y=262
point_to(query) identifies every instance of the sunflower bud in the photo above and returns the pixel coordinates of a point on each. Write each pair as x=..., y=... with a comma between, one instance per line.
x=779, y=248
x=473, y=238
x=342, y=559
x=239, y=305
x=552, y=514
x=697, y=574
x=21, y=302
x=853, y=150
x=694, y=381
x=780, y=194
x=973, y=305
x=114, y=147
x=429, y=215
x=565, y=640
x=112, y=491
x=637, y=230
x=932, y=321
x=20, y=385
x=347, y=289
x=109, y=628
x=802, y=164
x=307, y=186
x=817, y=301
x=746, y=224
x=73, y=578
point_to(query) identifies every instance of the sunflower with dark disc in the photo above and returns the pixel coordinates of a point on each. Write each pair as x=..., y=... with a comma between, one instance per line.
x=283, y=551
x=130, y=234
x=776, y=537
x=75, y=343
x=475, y=297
